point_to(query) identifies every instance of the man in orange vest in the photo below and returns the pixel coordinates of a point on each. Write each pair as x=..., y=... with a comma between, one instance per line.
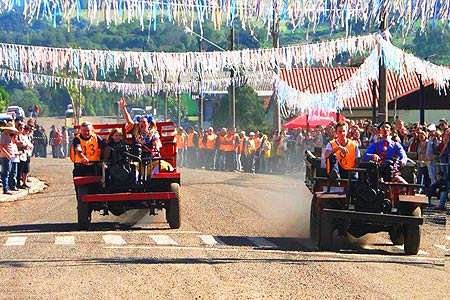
x=201, y=155
x=191, y=148
x=210, y=148
x=342, y=153
x=230, y=150
x=86, y=151
x=181, y=146
x=221, y=148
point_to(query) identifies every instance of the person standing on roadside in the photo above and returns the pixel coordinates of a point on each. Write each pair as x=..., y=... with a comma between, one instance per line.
x=52, y=141
x=8, y=152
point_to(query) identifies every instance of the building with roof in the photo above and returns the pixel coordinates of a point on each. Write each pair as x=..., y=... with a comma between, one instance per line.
x=403, y=94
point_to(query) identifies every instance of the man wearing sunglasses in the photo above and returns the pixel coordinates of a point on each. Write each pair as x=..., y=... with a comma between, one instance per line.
x=385, y=150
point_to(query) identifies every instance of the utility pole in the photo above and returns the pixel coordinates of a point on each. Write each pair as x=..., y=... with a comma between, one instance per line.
x=200, y=96
x=165, y=97
x=374, y=102
x=421, y=99
x=178, y=100
x=232, y=88
x=383, y=112
x=275, y=32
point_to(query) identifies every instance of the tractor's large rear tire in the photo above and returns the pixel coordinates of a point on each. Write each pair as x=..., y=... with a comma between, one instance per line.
x=173, y=207
x=412, y=234
x=396, y=235
x=84, y=209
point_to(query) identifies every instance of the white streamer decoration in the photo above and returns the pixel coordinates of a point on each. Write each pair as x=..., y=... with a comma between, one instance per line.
x=338, y=13
x=294, y=101
x=160, y=65
x=261, y=80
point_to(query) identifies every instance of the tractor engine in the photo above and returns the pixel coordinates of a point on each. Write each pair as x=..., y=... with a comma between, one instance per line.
x=366, y=194
x=121, y=173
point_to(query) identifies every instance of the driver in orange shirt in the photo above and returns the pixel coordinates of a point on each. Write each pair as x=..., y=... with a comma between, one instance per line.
x=341, y=153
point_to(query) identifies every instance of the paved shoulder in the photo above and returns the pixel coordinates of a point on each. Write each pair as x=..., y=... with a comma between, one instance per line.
x=36, y=186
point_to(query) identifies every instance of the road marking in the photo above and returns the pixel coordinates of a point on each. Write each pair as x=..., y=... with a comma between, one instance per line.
x=163, y=240
x=66, y=240
x=209, y=240
x=16, y=241
x=421, y=252
x=95, y=232
x=113, y=239
x=261, y=242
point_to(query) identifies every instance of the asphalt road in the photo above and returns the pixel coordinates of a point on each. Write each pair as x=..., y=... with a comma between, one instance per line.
x=242, y=236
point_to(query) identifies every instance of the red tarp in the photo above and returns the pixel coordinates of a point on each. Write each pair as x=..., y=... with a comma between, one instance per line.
x=313, y=119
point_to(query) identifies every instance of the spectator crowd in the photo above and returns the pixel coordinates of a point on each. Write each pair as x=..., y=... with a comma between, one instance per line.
x=19, y=142
x=225, y=149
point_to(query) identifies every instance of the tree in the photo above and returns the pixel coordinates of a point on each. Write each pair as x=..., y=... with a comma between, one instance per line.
x=4, y=99
x=26, y=98
x=249, y=110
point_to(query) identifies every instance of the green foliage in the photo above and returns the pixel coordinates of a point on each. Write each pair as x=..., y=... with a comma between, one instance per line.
x=26, y=98
x=4, y=99
x=249, y=110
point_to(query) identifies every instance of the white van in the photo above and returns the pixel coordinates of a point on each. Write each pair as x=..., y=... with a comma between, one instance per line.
x=15, y=111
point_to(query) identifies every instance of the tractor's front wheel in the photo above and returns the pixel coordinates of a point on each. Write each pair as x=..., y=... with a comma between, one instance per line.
x=84, y=210
x=412, y=234
x=173, y=207
x=396, y=235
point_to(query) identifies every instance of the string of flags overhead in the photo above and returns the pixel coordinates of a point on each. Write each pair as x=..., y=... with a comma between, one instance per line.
x=27, y=63
x=308, y=13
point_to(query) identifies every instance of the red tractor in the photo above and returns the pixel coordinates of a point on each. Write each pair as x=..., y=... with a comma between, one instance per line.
x=132, y=180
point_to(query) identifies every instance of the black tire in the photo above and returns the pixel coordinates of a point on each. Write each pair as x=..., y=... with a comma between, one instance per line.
x=84, y=210
x=326, y=234
x=173, y=207
x=396, y=235
x=412, y=234
x=314, y=225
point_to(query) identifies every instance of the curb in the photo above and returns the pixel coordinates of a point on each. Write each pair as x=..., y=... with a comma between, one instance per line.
x=36, y=187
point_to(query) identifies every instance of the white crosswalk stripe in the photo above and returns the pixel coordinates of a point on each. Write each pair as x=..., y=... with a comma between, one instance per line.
x=262, y=242
x=113, y=239
x=16, y=241
x=209, y=240
x=66, y=240
x=163, y=240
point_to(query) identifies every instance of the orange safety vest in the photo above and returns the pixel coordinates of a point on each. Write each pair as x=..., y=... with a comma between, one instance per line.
x=222, y=143
x=190, y=140
x=257, y=142
x=211, y=141
x=180, y=140
x=346, y=161
x=91, y=149
x=201, y=145
x=229, y=143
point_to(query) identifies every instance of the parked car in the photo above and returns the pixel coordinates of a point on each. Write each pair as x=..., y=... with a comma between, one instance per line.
x=135, y=111
x=15, y=111
x=6, y=117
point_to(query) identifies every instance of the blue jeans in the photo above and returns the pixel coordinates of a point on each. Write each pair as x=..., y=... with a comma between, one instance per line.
x=13, y=175
x=444, y=194
x=6, y=172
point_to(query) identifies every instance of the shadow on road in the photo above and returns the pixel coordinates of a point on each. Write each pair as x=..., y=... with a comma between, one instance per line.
x=30, y=263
